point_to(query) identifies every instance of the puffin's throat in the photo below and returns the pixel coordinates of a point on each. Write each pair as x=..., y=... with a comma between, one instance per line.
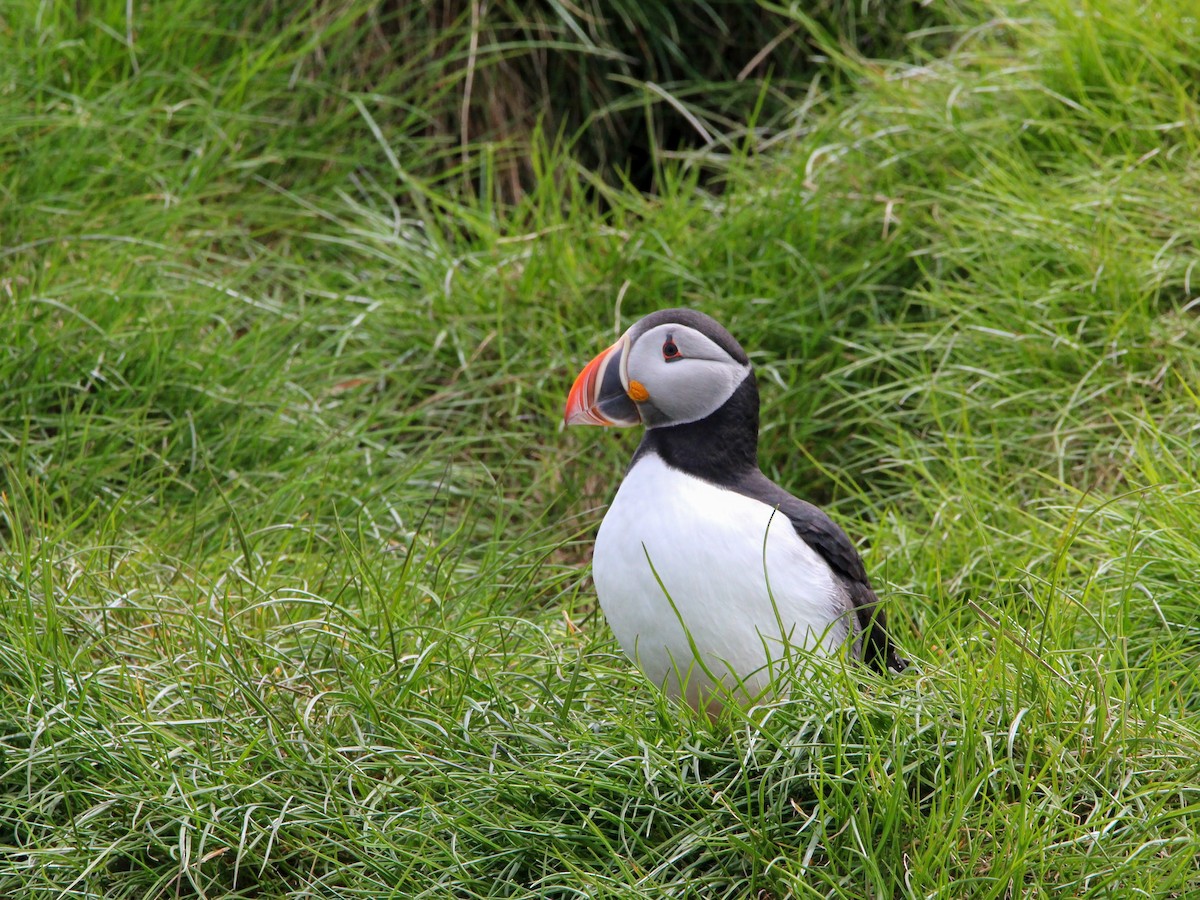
x=717, y=448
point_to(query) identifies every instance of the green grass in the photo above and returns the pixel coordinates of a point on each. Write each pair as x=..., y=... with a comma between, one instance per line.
x=294, y=583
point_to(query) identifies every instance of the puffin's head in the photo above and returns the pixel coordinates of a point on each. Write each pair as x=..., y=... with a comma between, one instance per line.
x=673, y=367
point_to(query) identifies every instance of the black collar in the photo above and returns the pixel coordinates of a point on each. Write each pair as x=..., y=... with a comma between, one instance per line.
x=721, y=448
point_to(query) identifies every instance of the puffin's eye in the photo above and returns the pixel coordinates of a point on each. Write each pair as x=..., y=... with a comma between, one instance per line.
x=670, y=351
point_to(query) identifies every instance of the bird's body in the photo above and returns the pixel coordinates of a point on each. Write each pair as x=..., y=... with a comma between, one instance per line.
x=684, y=567
x=707, y=571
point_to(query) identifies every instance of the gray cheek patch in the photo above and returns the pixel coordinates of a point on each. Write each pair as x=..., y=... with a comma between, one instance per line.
x=705, y=389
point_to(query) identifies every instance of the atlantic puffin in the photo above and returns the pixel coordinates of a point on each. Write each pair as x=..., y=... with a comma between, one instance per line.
x=708, y=572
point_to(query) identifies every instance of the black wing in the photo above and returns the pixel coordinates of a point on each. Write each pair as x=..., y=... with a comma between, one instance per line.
x=825, y=536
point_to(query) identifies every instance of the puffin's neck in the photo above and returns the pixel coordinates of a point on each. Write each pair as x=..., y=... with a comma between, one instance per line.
x=719, y=448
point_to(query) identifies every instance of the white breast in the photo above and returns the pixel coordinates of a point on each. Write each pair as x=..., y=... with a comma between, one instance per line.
x=741, y=587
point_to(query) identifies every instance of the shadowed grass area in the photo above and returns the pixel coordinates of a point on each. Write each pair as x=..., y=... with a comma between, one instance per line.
x=294, y=591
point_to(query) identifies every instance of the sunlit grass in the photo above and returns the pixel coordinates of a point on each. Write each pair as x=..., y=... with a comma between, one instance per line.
x=295, y=597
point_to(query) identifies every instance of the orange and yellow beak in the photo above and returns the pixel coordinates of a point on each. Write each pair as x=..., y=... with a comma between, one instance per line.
x=599, y=396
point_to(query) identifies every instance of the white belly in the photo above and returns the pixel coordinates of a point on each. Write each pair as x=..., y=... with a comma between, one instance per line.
x=736, y=594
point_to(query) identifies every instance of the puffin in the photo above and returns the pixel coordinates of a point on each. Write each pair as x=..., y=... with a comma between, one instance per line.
x=710, y=574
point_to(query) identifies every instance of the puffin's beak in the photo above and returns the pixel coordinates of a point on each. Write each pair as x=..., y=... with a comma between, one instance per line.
x=598, y=395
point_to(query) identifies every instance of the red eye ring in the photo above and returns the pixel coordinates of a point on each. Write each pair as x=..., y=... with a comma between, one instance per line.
x=670, y=351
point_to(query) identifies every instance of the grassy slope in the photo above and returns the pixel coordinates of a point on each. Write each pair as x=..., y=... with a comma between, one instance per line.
x=293, y=593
